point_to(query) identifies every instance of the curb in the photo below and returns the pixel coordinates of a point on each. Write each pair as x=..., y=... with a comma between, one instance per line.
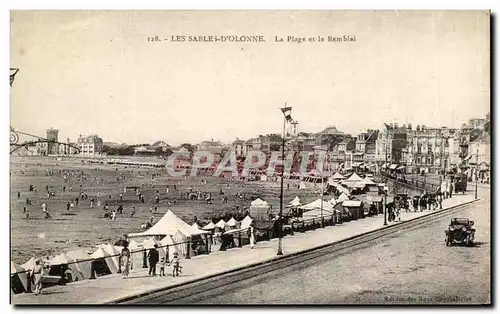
x=237, y=270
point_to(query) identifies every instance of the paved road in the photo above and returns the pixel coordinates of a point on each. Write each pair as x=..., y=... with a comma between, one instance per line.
x=411, y=266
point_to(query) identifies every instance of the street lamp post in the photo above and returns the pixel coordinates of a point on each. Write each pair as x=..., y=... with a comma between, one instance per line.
x=477, y=170
x=286, y=117
x=322, y=193
x=385, y=206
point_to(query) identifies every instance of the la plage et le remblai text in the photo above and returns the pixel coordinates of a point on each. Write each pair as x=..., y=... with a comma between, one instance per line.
x=252, y=39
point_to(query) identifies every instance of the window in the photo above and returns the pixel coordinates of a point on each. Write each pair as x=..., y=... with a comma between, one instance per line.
x=419, y=149
x=429, y=160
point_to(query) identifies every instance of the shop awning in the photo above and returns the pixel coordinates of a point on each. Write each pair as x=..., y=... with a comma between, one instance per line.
x=400, y=167
x=393, y=166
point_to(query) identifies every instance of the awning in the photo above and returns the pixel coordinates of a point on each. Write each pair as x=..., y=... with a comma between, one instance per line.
x=384, y=165
x=358, y=154
x=393, y=166
x=400, y=167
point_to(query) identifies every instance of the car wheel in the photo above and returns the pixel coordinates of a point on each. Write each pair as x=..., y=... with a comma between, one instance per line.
x=448, y=242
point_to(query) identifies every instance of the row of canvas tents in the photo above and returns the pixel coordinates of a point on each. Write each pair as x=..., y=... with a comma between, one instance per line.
x=82, y=264
x=104, y=259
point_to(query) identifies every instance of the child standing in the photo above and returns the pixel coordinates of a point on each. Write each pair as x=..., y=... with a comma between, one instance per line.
x=163, y=262
x=176, y=264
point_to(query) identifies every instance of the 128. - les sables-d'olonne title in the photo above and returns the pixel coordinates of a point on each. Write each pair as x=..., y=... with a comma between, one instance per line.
x=257, y=38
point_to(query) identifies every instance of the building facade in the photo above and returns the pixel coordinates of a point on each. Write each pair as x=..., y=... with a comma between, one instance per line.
x=428, y=149
x=90, y=145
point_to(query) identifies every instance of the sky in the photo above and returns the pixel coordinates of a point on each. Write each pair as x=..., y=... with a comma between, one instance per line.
x=86, y=72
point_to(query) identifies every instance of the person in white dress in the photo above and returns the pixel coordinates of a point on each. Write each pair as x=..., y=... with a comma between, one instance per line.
x=252, y=237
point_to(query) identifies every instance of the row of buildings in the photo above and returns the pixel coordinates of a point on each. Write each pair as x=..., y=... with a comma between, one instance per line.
x=412, y=149
x=89, y=146
x=399, y=147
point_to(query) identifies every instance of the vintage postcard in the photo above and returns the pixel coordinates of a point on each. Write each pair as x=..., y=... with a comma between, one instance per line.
x=250, y=157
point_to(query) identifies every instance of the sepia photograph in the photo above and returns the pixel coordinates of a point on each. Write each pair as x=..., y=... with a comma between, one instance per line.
x=182, y=157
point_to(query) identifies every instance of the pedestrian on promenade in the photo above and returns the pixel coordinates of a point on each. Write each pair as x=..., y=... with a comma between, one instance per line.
x=37, y=276
x=153, y=258
x=68, y=205
x=251, y=236
x=125, y=254
x=176, y=265
x=163, y=262
x=18, y=195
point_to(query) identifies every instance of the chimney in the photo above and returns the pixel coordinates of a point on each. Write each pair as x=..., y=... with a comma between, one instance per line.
x=418, y=127
x=395, y=125
x=409, y=126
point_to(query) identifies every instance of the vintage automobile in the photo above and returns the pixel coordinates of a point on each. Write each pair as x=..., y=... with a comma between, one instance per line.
x=460, y=231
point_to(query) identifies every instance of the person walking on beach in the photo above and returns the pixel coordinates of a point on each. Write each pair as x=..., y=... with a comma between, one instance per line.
x=153, y=258
x=18, y=195
x=125, y=254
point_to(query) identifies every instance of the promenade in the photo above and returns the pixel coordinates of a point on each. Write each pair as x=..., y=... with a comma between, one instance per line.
x=113, y=287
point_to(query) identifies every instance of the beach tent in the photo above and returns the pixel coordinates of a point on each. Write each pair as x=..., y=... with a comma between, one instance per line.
x=246, y=222
x=316, y=213
x=339, y=187
x=221, y=224
x=29, y=264
x=354, y=178
x=136, y=256
x=84, y=265
x=343, y=197
x=337, y=176
x=195, y=225
x=260, y=209
x=114, y=255
x=18, y=278
x=102, y=264
x=172, y=247
x=316, y=204
x=232, y=223
x=295, y=202
x=169, y=224
x=302, y=186
x=149, y=243
x=61, y=262
x=209, y=226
